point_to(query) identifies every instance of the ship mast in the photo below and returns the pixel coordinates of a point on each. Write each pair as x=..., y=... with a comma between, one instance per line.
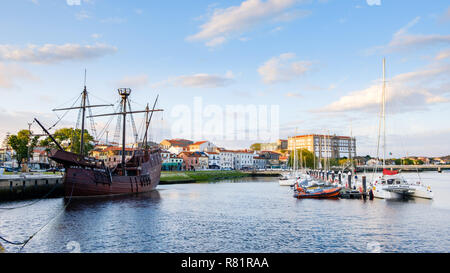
x=148, y=120
x=124, y=93
x=83, y=107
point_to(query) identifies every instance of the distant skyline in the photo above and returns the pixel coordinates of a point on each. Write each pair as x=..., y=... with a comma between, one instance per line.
x=318, y=61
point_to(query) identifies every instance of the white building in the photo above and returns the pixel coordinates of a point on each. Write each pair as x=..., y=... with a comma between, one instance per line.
x=243, y=160
x=226, y=159
x=213, y=160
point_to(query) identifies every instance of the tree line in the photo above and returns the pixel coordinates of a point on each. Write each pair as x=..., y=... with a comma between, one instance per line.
x=70, y=139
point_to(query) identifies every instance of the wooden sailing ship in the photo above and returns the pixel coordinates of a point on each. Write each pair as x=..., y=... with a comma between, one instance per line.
x=88, y=176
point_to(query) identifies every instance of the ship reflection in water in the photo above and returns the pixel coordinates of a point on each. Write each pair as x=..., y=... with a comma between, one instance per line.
x=252, y=215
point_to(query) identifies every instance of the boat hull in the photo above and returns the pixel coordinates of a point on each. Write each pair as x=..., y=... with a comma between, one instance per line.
x=381, y=193
x=90, y=183
x=422, y=192
x=88, y=177
x=287, y=182
x=322, y=194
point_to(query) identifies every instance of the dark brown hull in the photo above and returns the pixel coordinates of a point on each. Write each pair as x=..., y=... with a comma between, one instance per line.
x=80, y=183
x=85, y=178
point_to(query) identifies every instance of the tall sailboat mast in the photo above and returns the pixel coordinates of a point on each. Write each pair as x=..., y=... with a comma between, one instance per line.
x=384, y=112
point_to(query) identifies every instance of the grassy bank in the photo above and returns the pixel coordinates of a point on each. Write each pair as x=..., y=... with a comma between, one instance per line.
x=199, y=176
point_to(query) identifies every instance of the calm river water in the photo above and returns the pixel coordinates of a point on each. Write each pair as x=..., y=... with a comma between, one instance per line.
x=247, y=215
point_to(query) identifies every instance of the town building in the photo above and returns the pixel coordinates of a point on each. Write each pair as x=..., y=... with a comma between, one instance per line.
x=202, y=146
x=325, y=146
x=112, y=155
x=226, y=159
x=259, y=163
x=177, y=144
x=213, y=160
x=39, y=159
x=171, y=162
x=281, y=144
x=194, y=160
x=243, y=159
x=272, y=159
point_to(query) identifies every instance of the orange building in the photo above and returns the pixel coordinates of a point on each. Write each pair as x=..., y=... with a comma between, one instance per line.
x=330, y=146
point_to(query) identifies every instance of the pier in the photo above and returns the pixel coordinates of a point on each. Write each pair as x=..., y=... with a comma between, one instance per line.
x=22, y=186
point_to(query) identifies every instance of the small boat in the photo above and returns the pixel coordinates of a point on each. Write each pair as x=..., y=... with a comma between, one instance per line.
x=316, y=192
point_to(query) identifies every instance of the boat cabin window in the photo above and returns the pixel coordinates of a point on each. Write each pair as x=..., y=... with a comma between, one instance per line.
x=383, y=182
x=390, y=181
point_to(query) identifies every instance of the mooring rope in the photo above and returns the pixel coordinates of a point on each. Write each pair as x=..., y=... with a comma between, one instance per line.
x=25, y=242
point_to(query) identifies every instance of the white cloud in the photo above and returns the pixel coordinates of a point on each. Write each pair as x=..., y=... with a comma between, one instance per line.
x=236, y=19
x=443, y=54
x=373, y=2
x=405, y=92
x=96, y=35
x=283, y=68
x=294, y=95
x=73, y=2
x=9, y=74
x=133, y=81
x=402, y=40
x=50, y=53
x=203, y=80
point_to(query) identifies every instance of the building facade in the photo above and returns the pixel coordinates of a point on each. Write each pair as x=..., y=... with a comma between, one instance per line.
x=202, y=146
x=213, y=160
x=325, y=146
x=194, y=160
x=226, y=159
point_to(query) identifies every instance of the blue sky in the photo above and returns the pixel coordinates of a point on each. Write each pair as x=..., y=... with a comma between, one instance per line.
x=319, y=60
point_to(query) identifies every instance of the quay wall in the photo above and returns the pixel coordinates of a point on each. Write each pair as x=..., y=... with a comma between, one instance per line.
x=23, y=186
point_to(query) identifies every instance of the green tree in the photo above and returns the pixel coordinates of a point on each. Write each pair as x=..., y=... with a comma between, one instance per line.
x=304, y=156
x=70, y=140
x=408, y=161
x=418, y=162
x=23, y=144
x=255, y=147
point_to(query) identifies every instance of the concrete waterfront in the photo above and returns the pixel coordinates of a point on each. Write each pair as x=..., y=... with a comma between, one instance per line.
x=22, y=186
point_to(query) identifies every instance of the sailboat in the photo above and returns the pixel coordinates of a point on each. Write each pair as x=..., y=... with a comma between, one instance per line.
x=293, y=176
x=87, y=176
x=390, y=185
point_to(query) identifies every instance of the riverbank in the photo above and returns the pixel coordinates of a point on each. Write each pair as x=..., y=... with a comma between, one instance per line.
x=199, y=176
